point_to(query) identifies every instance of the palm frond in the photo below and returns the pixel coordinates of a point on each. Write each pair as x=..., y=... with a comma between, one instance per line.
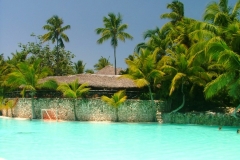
x=218, y=84
x=234, y=89
x=141, y=82
x=176, y=81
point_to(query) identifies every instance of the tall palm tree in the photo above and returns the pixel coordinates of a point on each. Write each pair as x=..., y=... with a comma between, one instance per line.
x=116, y=100
x=221, y=14
x=73, y=90
x=28, y=77
x=114, y=30
x=56, y=33
x=102, y=62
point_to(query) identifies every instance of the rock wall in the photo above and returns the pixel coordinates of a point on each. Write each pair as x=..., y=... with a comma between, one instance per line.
x=219, y=119
x=130, y=111
x=87, y=109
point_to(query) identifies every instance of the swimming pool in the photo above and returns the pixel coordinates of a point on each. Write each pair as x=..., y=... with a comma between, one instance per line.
x=39, y=140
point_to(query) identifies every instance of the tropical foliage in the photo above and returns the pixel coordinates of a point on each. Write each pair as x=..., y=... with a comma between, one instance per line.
x=116, y=100
x=196, y=57
x=142, y=69
x=73, y=90
x=28, y=77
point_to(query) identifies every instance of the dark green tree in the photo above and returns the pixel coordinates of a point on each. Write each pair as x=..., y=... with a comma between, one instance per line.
x=32, y=51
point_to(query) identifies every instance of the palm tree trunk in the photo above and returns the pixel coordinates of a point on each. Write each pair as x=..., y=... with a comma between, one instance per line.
x=116, y=112
x=115, y=61
x=11, y=112
x=183, y=102
x=151, y=96
x=57, y=60
x=152, y=103
x=74, y=109
x=33, y=110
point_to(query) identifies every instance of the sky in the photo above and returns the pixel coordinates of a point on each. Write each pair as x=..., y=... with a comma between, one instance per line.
x=20, y=18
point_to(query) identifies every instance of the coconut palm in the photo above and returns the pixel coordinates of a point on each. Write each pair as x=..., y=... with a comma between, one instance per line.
x=114, y=30
x=102, y=62
x=177, y=67
x=221, y=14
x=56, y=33
x=177, y=13
x=73, y=90
x=116, y=100
x=232, y=36
x=28, y=78
x=142, y=70
x=230, y=78
x=156, y=42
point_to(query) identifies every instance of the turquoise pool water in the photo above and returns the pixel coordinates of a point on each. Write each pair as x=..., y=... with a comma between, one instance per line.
x=38, y=140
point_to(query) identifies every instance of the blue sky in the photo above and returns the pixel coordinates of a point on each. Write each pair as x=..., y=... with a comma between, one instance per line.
x=18, y=19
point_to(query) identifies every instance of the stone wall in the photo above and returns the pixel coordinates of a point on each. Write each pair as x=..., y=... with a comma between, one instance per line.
x=219, y=119
x=130, y=111
x=87, y=109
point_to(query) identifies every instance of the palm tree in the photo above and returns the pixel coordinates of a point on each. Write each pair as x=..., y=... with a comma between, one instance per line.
x=116, y=100
x=73, y=90
x=102, y=62
x=79, y=67
x=230, y=78
x=56, y=33
x=28, y=77
x=142, y=69
x=114, y=30
x=157, y=42
x=232, y=36
x=221, y=14
x=177, y=13
x=180, y=69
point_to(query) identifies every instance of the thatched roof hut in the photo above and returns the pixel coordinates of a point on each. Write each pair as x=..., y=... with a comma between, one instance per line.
x=96, y=80
x=104, y=79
